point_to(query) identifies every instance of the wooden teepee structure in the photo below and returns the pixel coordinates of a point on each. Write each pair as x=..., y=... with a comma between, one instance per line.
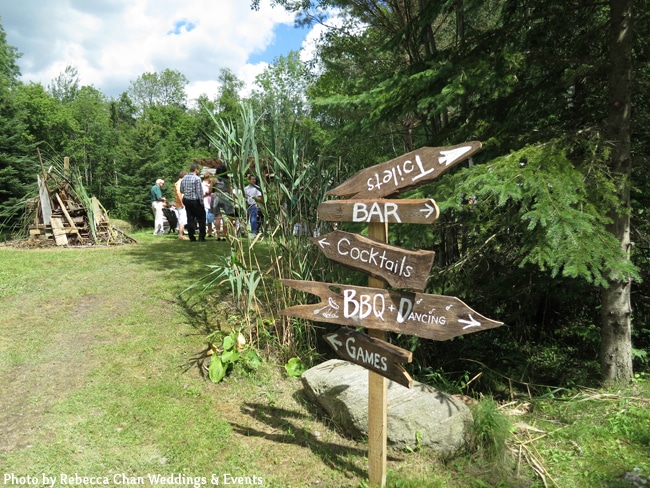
x=64, y=213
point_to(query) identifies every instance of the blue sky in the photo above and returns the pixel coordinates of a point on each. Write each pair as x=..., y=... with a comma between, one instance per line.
x=287, y=38
x=113, y=42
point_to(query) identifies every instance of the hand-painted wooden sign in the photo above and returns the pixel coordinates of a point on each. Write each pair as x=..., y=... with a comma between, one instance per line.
x=406, y=211
x=400, y=268
x=405, y=172
x=436, y=317
x=374, y=354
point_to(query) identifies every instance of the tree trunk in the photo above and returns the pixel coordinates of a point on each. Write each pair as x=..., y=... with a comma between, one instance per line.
x=616, y=326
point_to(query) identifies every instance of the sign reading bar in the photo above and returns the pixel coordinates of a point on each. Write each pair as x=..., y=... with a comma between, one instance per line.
x=374, y=354
x=400, y=268
x=406, y=211
x=436, y=317
x=405, y=172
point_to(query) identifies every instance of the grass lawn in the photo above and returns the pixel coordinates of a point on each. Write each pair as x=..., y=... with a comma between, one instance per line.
x=99, y=379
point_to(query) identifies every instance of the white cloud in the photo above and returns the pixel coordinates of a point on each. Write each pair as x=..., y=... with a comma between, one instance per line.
x=112, y=42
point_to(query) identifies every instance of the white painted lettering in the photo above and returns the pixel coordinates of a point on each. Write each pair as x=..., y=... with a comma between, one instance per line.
x=348, y=299
x=423, y=172
x=363, y=306
x=426, y=318
x=391, y=209
x=396, y=174
x=341, y=250
x=359, y=213
x=375, y=210
x=349, y=347
x=379, y=312
x=405, y=307
x=363, y=356
x=380, y=212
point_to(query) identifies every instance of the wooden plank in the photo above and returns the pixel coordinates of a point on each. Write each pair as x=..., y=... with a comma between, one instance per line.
x=97, y=212
x=405, y=172
x=436, y=317
x=44, y=196
x=373, y=354
x=400, y=268
x=73, y=228
x=405, y=211
x=59, y=232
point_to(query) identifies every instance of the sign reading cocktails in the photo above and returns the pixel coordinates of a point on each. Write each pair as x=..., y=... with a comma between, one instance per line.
x=399, y=267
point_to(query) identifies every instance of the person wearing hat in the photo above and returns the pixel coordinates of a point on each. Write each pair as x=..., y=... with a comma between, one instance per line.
x=157, y=203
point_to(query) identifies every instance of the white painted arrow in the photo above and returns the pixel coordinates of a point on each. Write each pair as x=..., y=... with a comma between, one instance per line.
x=430, y=209
x=323, y=242
x=333, y=342
x=470, y=323
x=452, y=155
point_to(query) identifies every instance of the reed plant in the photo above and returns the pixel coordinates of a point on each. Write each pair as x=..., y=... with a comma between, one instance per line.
x=292, y=184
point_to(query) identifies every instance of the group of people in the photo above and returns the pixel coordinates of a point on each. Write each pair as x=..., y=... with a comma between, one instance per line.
x=206, y=206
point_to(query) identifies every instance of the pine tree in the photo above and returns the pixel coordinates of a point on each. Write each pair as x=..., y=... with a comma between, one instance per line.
x=17, y=170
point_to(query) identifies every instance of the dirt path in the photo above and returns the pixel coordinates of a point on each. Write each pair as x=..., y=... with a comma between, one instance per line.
x=61, y=323
x=30, y=390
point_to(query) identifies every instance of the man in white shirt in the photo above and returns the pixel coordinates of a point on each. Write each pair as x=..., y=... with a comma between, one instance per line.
x=157, y=204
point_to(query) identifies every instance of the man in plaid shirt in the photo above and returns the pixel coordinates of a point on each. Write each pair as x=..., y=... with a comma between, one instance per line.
x=192, y=191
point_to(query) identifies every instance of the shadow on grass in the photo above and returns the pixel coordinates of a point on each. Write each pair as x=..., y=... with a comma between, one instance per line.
x=188, y=260
x=286, y=427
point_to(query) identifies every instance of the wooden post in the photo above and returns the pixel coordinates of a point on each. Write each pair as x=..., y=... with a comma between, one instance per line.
x=377, y=391
x=445, y=317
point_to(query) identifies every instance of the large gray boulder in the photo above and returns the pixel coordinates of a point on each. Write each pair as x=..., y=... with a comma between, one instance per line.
x=418, y=417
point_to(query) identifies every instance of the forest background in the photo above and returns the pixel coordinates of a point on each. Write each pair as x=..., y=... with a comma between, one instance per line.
x=545, y=229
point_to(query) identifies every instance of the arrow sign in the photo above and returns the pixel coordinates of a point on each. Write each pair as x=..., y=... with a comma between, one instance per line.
x=406, y=211
x=408, y=171
x=373, y=354
x=436, y=317
x=400, y=268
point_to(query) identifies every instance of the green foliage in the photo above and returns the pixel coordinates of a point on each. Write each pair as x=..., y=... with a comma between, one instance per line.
x=65, y=87
x=159, y=89
x=558, y=214
x=490, y=430
x=291, y=197
x=233, y=352
x=533, y=251
x=295, y=367
x=243, y=281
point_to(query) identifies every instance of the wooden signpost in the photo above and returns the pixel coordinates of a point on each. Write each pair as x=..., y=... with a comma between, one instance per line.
x=374, y=307
x=399, y=267
x=408, y=171
x=373, y=354
x=436, y=317
x=416, y=211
